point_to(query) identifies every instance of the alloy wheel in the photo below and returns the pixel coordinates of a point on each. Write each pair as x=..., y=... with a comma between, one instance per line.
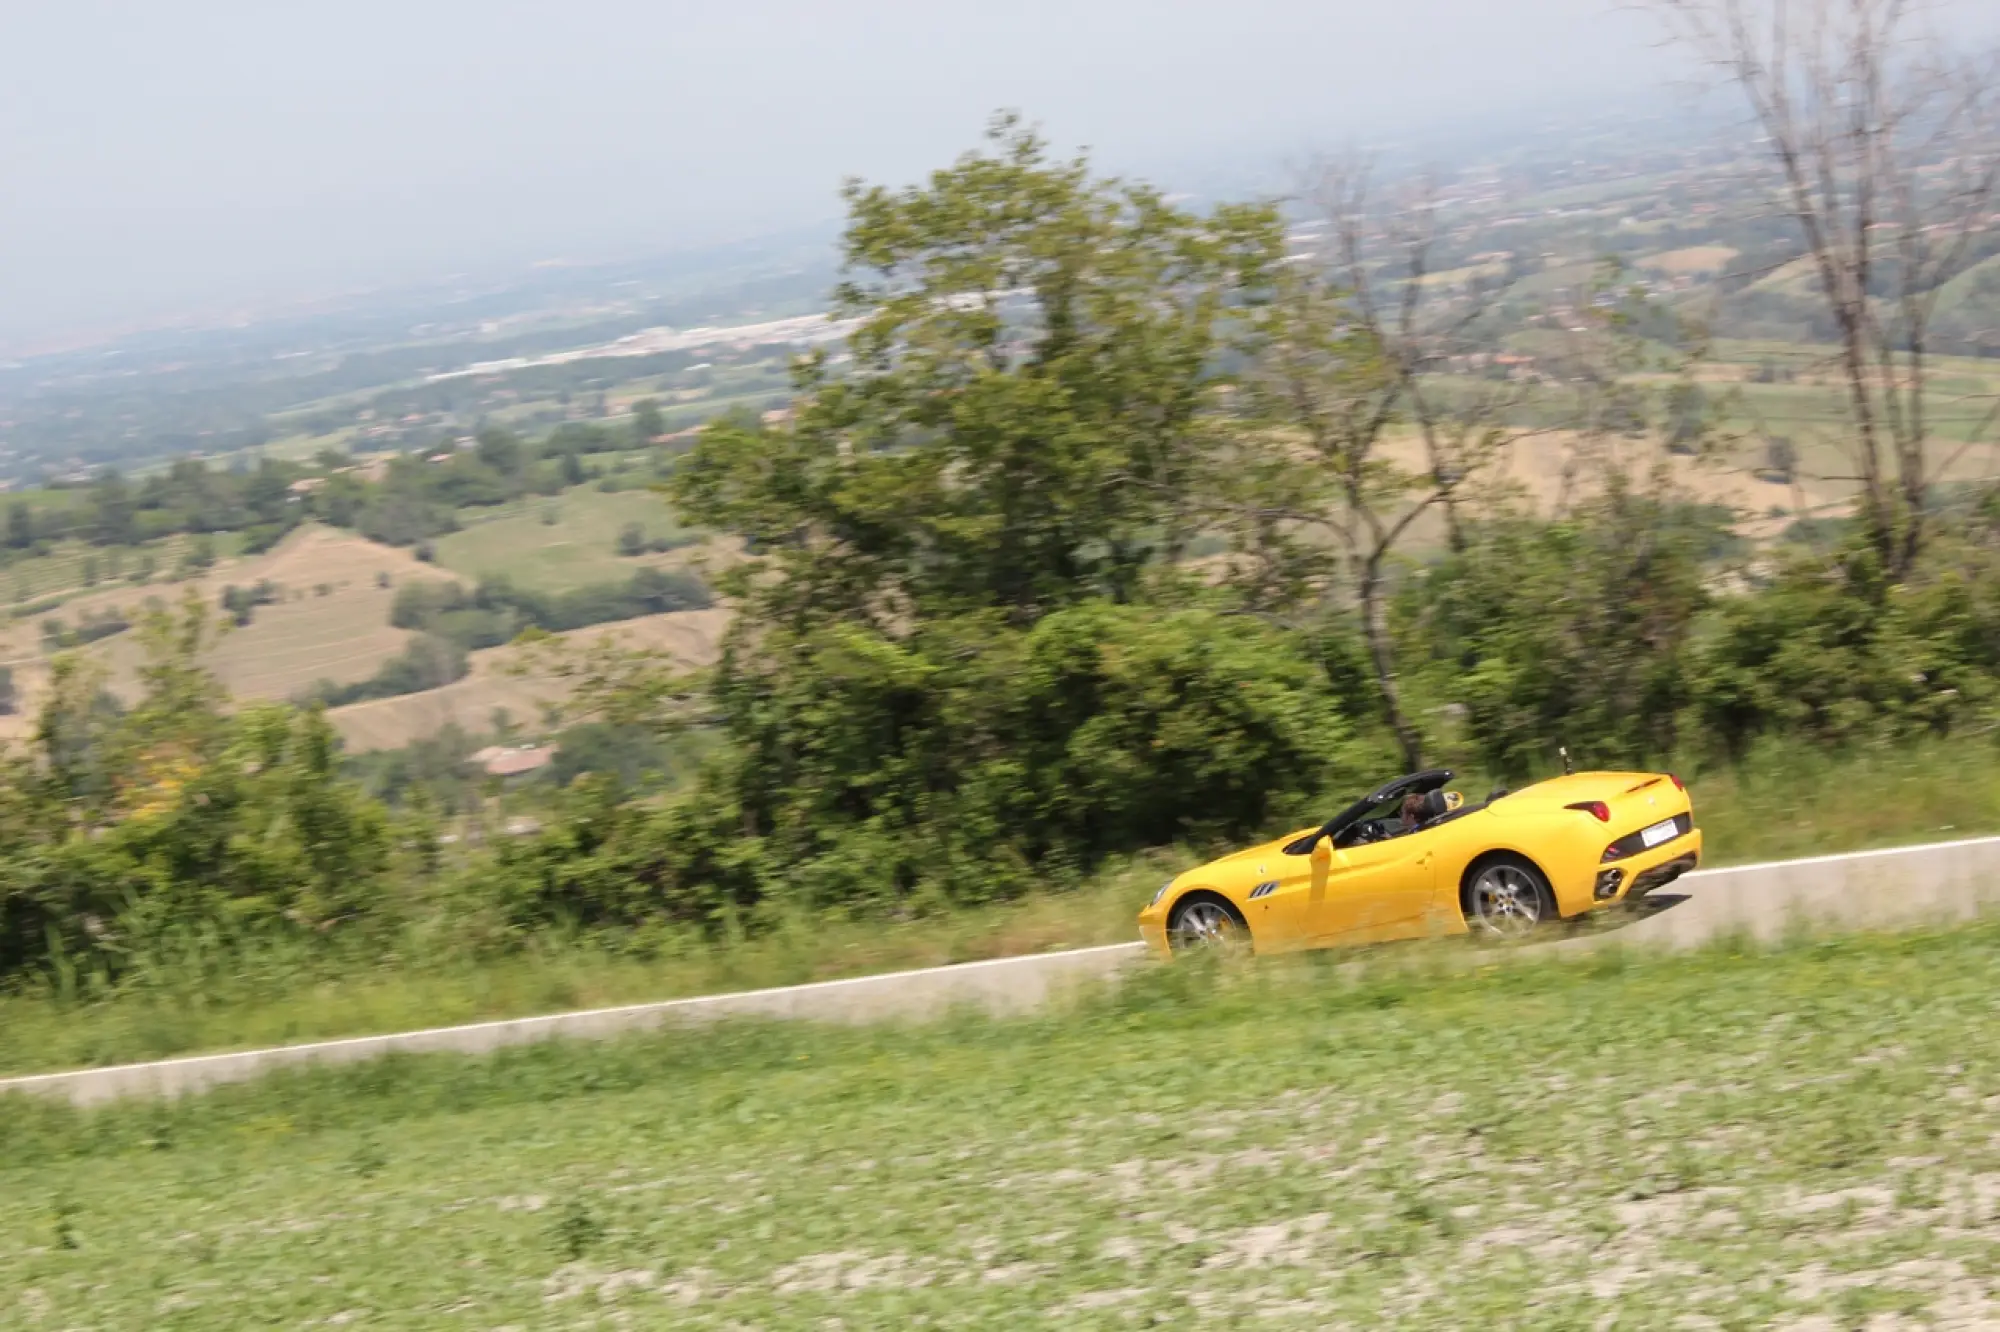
x=1507, y=902
x=1204, y=925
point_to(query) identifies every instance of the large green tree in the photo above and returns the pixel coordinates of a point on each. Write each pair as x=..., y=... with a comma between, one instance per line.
x=1031, y=392
x=957, y=667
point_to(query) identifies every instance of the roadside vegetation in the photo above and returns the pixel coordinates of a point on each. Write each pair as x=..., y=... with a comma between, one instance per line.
x=198, y=988
x=1738, y=1138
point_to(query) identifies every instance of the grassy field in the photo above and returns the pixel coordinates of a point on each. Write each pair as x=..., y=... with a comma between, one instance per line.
x=1781, y=804
x=576, y=550
x=1808, y=1138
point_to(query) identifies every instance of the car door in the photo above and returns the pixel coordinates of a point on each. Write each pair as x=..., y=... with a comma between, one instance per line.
x=1372, y=890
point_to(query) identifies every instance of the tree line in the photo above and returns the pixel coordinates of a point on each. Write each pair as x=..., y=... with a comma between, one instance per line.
x=415, y=499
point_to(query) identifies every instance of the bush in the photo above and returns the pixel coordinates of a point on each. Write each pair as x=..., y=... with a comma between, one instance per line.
x=1837, y=653
x=1572, y=633
x=427, y=662
x=497, y=609
x=971, y=761
x=262, y=536
x=241, y=602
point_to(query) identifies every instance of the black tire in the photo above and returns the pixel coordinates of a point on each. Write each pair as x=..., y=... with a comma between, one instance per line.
x=1506, y=899
x=1206, y=920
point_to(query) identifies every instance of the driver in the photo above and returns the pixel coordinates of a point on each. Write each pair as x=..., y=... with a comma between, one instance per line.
x=1421, y=809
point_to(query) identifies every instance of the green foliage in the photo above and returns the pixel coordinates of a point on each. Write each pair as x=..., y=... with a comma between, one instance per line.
x=1835, y=651
x=240, y=603
x=436, y=768
x=1030, y=391
x=647, y=422
x=123, y=825
x=428, y=661
x=962, y=763
x=1575, y=632
x=942, y=684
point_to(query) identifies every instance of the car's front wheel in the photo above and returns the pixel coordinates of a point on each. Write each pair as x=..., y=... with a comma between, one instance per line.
x=1507, y=898
x=1203, y=921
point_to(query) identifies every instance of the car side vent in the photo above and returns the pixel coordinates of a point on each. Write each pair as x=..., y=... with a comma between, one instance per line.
x=1264, y=889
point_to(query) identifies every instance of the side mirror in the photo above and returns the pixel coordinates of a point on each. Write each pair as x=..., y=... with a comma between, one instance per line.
x=1323, y=849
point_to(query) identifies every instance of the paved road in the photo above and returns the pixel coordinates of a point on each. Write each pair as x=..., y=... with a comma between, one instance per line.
x=1943, y=881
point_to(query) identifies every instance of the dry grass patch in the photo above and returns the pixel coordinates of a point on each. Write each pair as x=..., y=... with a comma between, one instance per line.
x=1694, y=260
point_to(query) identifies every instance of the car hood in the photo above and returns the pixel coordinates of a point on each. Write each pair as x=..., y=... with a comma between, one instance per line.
x=1223, y=869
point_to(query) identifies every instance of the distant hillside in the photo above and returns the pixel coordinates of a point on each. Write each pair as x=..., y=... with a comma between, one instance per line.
x=390, y=723
x=330, y=620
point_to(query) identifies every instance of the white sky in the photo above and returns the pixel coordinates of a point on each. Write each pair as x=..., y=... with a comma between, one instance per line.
x=165, y=154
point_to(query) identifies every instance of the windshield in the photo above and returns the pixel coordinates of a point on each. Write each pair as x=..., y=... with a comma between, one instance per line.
x=1371, y=807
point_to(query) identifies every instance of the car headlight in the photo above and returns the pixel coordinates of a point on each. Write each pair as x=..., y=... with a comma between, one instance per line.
x=1162, y=893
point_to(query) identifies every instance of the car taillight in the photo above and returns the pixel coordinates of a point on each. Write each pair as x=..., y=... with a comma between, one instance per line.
x=1597, y=809
x=1679, y=785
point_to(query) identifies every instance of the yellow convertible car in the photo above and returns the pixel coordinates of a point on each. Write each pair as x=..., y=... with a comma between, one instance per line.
x=1413, y=859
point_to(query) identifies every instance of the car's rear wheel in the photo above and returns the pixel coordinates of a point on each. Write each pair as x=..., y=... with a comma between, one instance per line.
x=1507, y=898
x=1204, y=921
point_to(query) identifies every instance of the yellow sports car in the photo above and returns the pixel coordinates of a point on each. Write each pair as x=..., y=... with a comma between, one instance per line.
x=1413, y=859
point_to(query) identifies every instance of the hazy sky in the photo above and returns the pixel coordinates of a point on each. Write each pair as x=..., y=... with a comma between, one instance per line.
x=161, y=156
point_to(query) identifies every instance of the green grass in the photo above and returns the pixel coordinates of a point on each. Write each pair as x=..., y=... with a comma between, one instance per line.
x=1729, y=1139
x=576, y=550
x=1784, y=802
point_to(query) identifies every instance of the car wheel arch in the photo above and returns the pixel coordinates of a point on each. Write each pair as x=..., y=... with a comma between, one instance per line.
x=1497, y=855
x=1198, y=894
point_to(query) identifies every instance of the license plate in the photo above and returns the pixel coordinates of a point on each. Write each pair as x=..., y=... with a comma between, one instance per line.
x=1659, y=832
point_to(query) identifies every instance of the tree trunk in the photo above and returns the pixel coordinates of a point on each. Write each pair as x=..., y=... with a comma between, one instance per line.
x=1382, y=657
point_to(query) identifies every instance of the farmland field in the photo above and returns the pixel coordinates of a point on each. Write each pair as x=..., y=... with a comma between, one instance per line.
x=1808, y=1139
x=577, y=549
x=62, y=572
x=1691, y=260
x=388, y=723
x=332, y=623
x=341, y=632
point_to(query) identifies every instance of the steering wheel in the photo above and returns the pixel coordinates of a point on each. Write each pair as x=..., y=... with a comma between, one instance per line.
x=1370, y=831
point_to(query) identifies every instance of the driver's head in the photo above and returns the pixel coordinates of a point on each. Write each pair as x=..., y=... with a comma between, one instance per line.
x=1413, y=811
